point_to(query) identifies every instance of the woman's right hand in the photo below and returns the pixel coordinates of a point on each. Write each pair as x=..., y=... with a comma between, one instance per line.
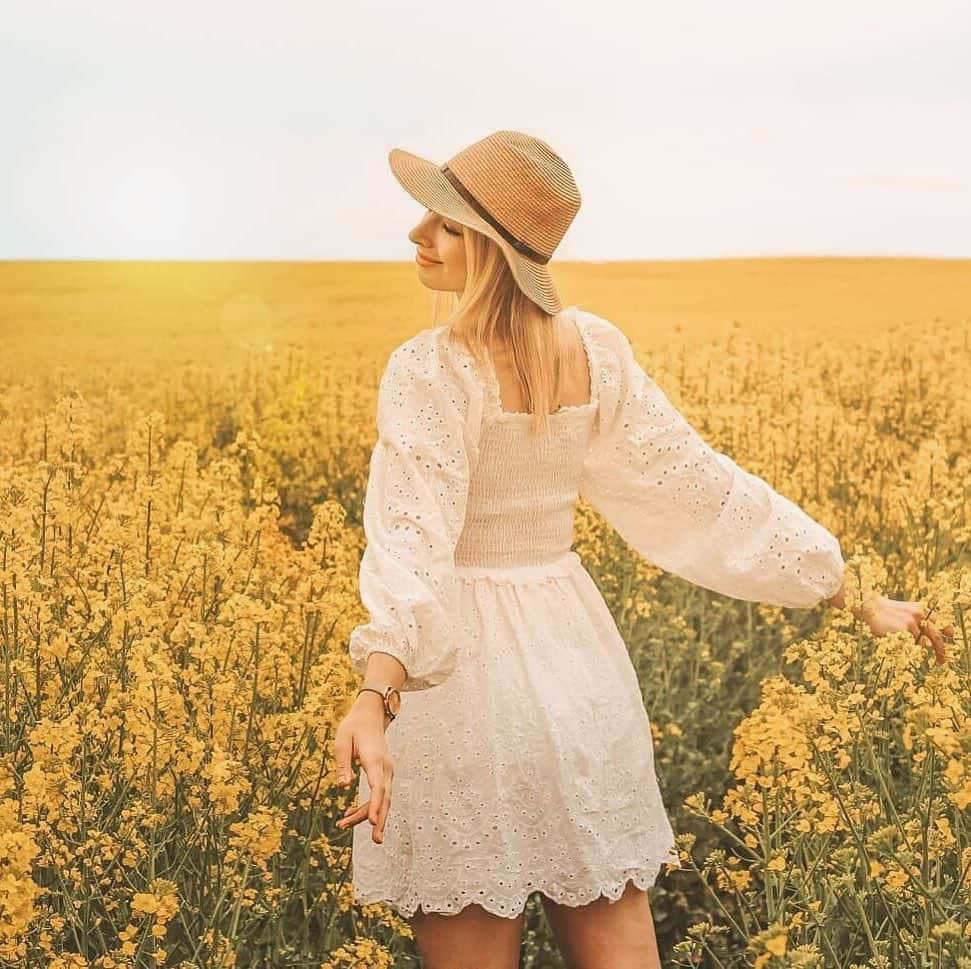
x=361, y=734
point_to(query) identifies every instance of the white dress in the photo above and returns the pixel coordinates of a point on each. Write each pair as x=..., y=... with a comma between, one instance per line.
x=523, y=756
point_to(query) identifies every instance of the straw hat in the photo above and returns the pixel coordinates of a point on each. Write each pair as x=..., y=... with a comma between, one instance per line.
x=509, y=186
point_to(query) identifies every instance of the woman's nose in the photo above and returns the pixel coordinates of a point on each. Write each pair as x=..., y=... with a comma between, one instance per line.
x=420, y=235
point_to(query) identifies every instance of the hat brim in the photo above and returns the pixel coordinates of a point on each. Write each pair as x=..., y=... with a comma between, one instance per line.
x=425, y=182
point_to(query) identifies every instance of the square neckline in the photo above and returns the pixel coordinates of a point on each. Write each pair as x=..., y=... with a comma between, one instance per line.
x=490, y=381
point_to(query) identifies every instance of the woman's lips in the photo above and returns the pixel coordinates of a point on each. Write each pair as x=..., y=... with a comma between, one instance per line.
x=422, y=261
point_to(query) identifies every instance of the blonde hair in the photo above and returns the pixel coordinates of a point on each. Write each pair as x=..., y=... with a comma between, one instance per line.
x=493, y=309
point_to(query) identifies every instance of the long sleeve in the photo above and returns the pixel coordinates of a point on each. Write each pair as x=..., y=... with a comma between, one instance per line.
x=414, y=511
x=688, y=508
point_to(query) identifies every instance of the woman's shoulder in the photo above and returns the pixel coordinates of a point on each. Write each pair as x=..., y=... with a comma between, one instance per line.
x=603, y=333
x=435, y=365
x=429, y=353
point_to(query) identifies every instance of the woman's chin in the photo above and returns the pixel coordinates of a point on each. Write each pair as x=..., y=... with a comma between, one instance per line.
x=430, y=285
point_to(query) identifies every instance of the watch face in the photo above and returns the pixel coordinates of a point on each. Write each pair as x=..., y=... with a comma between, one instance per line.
x=394, y=701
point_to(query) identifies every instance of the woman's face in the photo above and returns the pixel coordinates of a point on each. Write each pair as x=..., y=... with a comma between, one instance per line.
x=439, y=238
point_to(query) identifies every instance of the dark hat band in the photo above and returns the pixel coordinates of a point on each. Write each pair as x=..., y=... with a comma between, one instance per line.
x=517, y=244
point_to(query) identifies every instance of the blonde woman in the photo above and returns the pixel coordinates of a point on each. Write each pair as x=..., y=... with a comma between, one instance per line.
x=521, y=756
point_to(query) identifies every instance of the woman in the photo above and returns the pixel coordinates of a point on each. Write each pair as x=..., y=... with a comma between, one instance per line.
x=522, y=756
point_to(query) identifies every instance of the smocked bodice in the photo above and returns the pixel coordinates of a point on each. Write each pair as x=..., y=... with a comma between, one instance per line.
x=524, y=489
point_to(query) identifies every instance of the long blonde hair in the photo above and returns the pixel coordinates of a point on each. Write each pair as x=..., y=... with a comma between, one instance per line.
x=493, y=309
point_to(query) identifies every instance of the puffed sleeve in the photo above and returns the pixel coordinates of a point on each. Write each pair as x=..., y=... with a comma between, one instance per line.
x=688, y=508
x=414, y=511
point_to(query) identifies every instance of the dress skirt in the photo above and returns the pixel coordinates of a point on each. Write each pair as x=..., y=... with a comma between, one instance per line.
x=530, y=769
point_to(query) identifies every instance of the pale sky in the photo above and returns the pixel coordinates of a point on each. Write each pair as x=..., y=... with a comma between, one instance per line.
x=217, y=130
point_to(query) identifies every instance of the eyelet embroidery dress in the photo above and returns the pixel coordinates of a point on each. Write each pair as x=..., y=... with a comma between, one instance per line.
x=523, y=755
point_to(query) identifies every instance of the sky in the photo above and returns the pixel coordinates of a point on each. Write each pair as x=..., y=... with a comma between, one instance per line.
x=245, y=131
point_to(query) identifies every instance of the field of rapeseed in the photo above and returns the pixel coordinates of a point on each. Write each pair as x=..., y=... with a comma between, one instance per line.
x=183, y=454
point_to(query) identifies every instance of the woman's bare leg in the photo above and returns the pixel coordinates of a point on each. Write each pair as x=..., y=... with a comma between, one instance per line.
x=605, y=934
x=470, y=939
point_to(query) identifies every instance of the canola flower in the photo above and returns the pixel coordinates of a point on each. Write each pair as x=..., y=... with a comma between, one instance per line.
x=172, y=670
x=178, y=578
x=847, y=820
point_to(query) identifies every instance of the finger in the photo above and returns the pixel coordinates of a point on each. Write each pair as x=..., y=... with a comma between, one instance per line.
x=934, y=640
x=383, y=815
x=376, y=782
x=940, y=650
x=359, y=814
x=342, y=755
x=349, y=810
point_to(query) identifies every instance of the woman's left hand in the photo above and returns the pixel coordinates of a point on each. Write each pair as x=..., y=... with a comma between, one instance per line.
x=895, y=615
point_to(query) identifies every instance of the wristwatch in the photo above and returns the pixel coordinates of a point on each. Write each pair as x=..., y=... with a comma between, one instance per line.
x=391, y=697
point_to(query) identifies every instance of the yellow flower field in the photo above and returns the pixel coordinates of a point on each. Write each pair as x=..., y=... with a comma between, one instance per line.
x=183, y=454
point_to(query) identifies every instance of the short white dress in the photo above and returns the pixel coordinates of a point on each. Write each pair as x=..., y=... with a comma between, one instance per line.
x=523, y=756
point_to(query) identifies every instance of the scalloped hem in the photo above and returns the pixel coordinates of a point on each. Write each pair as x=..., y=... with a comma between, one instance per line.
x=512, y=906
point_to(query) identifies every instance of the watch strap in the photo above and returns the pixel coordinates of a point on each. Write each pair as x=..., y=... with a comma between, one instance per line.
x=384, y=697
